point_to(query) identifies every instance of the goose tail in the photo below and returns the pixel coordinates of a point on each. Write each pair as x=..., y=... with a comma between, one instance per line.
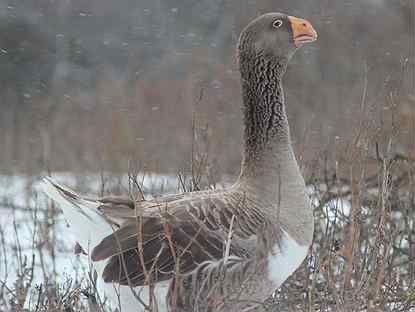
x=86, y=222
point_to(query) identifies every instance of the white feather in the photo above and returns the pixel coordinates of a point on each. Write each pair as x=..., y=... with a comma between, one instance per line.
x=285, y=259
x=90, y=227
x=85, y=220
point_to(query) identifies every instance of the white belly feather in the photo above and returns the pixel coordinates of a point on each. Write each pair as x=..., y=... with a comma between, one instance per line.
x=285, y=259
x=123, y=295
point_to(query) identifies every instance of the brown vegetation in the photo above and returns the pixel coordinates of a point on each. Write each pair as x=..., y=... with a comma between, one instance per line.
x=175, y=108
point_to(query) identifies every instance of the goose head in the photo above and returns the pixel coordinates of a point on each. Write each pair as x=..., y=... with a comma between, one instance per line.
x=274, y=35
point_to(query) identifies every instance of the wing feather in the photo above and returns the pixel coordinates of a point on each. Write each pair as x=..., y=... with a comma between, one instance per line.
x=176, y=238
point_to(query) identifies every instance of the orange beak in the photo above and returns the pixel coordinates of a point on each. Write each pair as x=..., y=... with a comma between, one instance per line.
x=303, y=32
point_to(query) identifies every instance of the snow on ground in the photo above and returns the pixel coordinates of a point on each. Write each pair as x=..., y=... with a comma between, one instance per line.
x=24, y=216
x=22, y=203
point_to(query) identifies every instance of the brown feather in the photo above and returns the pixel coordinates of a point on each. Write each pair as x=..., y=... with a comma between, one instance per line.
x=191, y=231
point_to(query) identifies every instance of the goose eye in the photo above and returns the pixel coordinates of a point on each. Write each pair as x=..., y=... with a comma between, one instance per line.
x=277, y=23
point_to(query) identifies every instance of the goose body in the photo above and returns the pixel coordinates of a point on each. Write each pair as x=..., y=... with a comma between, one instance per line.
x=222, y=250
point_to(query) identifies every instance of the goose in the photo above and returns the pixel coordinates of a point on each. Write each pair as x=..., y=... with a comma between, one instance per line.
x=214, y=250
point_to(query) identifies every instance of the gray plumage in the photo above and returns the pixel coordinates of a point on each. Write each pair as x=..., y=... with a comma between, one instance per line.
x=221, y=250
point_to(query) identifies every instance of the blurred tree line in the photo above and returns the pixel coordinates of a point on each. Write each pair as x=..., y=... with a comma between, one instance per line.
x=90, y=85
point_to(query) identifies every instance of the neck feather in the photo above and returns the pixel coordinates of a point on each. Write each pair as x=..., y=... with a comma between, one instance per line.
x=266, y=136
x=269, y=172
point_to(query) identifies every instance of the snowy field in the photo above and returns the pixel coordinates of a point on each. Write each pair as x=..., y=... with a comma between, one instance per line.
x=33, y=232
x=25, y=217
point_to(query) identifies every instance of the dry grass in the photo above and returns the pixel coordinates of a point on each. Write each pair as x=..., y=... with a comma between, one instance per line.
x=362, y=259
x=350, y=130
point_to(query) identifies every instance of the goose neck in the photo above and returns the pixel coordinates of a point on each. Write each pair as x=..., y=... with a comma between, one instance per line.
x=266, y=137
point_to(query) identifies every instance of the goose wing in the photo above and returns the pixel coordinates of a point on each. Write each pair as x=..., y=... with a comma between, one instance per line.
x=122, y=209
x=176, y=236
